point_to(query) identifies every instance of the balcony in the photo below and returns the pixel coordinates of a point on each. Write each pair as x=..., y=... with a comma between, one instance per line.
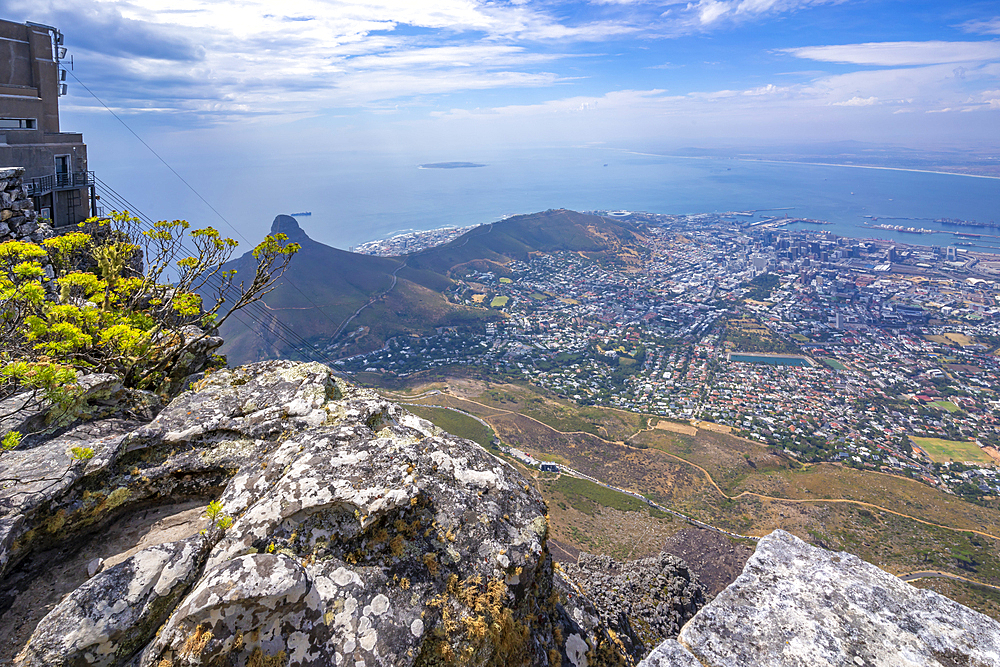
x=36, y=187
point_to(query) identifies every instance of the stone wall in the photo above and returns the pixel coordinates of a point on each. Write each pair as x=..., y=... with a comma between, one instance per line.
x=17, y=215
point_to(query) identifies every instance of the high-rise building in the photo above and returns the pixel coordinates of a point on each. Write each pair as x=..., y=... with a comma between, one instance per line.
x=32, y=79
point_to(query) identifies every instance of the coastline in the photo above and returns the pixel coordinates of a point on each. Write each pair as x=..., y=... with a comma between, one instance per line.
x=811, y=164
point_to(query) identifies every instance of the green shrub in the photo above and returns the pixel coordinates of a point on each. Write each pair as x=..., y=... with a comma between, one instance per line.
x=115, y=302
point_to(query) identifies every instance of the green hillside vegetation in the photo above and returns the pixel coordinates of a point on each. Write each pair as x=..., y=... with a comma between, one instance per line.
x=586, y=497
x=516, y=237
x=325, y=286
x=455, y=423
x=900, y=524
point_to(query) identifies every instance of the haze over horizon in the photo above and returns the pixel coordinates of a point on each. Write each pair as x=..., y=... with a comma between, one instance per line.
x=230, y=95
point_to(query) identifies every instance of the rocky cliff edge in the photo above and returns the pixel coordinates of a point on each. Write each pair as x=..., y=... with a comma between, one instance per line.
x=350, y=532
x=346, y=531
x=796, y=605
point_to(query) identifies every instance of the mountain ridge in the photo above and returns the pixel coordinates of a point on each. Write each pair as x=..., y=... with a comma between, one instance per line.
x=325, y=289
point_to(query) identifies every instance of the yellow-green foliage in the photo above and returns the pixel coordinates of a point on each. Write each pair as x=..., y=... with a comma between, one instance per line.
x=113, y=319
x=218, y=520
x=81, y=453
x=477, y=625
x=11, y=440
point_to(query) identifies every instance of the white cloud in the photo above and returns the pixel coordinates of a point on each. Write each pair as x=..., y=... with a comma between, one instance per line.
x=769, y=89
x=885, y=91
x=709, y=12
x=898, y=54
x=618, y=100
x=257, y=57
x=983, y=26
x=857, y=102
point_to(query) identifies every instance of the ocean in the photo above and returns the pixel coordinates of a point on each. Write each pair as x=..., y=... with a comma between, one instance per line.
x=380, y=198
x=358, y=197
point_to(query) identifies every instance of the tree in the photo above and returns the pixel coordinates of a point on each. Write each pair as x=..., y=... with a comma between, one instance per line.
x=117, y=298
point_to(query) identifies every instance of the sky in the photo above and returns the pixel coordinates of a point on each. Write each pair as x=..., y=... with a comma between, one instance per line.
x=208, y=82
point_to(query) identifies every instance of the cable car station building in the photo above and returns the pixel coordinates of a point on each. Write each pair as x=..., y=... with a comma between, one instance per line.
x=55, y=163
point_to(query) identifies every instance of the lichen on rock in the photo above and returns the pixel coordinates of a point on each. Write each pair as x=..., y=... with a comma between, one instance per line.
x=360, y=535
x=796, y=605
x=112, y=615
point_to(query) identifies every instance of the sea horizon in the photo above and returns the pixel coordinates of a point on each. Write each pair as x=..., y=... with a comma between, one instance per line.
x=849, y=197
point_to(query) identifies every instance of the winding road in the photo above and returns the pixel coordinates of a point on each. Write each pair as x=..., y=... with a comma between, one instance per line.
x=934, y=574
x=910, y=576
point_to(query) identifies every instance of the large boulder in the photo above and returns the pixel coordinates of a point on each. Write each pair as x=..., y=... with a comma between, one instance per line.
x=110, y=617
x=351, y=532
x=41, y=495
x=800, y=606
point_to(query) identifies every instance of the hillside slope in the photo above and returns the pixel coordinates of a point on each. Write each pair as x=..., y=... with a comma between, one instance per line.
x=360, y=301
x=321, y=290
x=515, y=238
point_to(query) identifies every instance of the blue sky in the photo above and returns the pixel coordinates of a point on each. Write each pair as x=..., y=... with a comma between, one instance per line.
x=600, y=70
x=207, y=81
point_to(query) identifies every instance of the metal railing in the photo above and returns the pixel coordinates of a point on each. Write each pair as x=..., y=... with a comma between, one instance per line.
x=36, y=187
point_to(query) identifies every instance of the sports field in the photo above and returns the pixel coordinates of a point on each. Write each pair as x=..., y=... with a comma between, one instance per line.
x=942, y=451
x=499, y=301
x=952, y=339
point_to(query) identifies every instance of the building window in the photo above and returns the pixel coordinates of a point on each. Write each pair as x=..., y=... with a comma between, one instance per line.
x=18, y=124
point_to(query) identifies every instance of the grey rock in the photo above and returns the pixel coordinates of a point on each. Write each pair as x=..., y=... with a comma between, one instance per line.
x=642, y=601
x=111, y=616
x=361, y=534
x=94, y=566
x=670, y=654
x=798, y=605
x=39, y=488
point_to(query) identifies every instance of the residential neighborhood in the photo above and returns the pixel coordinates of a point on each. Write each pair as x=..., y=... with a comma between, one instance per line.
x=869, y=353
